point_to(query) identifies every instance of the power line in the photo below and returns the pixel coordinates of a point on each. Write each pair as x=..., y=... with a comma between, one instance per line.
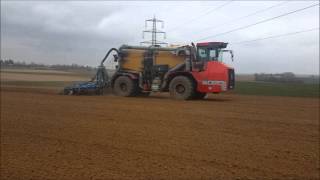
x=259, y=22
x=206, y=13
x=276, y=36
x=243, y=17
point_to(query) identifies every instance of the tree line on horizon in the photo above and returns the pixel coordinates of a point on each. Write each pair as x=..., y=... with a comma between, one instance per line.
x=9, y=63
x=286, y=77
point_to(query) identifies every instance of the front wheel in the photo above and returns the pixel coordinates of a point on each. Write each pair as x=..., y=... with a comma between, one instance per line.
x=182, y=88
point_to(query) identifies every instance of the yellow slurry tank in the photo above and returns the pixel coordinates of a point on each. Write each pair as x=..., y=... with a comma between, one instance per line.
x=134, y=58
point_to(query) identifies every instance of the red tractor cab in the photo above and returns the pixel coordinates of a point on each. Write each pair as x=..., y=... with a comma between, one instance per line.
x=208, y=69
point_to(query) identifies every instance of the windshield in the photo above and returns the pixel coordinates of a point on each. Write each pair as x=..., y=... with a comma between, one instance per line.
x=220, y=58
x=207, y=54
x=213, y=54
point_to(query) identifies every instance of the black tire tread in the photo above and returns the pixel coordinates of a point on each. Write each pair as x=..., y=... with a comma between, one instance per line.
x=189, y=86
x=132, y=87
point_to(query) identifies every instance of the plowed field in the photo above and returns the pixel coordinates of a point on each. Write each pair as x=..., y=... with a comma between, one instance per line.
x=49, y=136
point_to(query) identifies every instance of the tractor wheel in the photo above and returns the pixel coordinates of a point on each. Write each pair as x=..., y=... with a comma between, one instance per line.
x=124, y=86
x=182, y=87
x=199, y=95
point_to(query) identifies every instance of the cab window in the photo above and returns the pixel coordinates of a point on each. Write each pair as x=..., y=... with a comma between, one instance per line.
x=202, y=53
x=220, y=57
x=213, y=54
x=207, y=54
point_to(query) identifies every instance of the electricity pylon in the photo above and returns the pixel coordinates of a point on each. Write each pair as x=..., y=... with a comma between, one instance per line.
x=154, y=32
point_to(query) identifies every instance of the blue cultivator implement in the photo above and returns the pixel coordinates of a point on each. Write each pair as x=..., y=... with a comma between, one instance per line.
x=96, y=86
x=82, y=88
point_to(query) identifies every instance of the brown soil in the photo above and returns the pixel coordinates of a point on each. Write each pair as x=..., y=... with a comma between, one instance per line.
x=13, y=76
x=50, y=136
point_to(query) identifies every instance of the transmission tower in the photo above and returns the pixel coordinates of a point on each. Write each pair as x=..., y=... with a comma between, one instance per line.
x=154, y=32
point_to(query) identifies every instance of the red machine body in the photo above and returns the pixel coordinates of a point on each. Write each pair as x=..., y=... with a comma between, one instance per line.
x=214, y=79
x=215, y=76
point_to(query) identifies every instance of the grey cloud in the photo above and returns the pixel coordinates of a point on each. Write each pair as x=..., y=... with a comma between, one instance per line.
x=81, y=31
x=55, y=30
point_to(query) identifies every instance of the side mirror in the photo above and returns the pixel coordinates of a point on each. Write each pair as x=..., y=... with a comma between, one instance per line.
x=231, y=52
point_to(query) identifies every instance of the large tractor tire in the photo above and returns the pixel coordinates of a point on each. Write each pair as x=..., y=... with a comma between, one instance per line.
x=182, y=88
x=124, y=86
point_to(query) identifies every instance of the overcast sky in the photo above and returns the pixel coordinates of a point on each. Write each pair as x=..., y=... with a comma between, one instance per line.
x=81, y=31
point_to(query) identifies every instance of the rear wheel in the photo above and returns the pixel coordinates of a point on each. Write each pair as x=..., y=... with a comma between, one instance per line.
x=182, y=87
x=124, y=86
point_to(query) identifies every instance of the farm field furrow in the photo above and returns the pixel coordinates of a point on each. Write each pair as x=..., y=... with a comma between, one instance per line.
x=49, y=136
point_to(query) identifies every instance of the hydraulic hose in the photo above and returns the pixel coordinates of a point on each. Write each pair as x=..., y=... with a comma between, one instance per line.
x=108, y=53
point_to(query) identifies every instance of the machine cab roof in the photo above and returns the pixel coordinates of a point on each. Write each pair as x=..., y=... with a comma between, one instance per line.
x=214, y=45
x=212, y=51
